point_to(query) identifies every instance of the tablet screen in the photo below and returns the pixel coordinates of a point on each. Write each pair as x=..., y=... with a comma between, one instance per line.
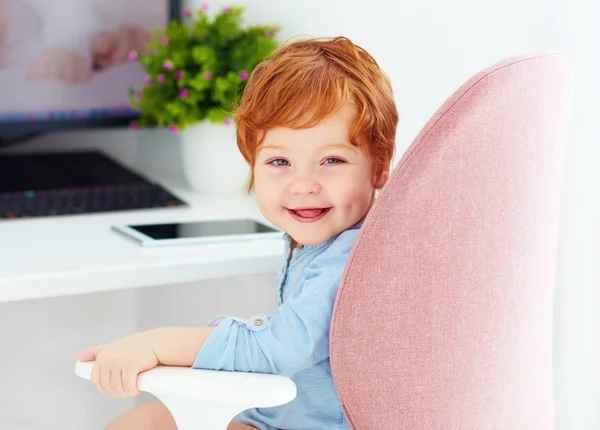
x=202, y=229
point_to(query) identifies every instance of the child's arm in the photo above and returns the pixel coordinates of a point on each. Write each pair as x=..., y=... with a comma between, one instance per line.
x=294, y=339
x=119, y=363
x=179, y=346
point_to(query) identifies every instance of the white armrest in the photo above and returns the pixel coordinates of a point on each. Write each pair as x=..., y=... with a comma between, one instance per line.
x=208, y=399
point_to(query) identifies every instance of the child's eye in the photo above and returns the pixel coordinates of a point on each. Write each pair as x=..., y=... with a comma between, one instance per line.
x=279, y=162
x=333, y=161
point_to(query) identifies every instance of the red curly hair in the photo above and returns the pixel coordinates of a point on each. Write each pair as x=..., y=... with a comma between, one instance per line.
x=303, y=82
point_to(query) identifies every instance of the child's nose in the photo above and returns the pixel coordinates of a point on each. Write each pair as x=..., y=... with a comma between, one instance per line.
x=305, y=185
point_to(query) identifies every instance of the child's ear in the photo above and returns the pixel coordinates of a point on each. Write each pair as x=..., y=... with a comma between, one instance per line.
x=380, y=182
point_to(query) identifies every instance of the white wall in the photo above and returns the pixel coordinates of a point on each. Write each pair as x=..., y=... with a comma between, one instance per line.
x=578, y=296
x=428, y=48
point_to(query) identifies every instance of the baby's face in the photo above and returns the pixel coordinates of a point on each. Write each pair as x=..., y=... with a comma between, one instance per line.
x=313, y=183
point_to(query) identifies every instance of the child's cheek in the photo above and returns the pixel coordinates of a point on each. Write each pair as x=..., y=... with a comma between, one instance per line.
x=268, y=183
x=265, y=174
x=355, y=194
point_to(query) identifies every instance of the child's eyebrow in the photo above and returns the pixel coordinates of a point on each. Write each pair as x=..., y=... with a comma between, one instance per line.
x=275, y=147
x=329, y=146
x=339, y=146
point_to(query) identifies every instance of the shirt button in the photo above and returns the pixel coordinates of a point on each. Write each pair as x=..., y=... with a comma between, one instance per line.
x=283, y=269
x=258, y=322
x=278, y=302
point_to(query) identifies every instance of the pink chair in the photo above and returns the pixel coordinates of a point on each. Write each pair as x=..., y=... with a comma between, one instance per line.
x=444, y=318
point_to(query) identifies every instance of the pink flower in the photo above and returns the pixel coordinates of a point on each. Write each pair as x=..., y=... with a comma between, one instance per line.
x=164, y=39
x=149, y=80
x=186, y=11
x=133, y=56
x=271, y=31
x=204, y=6
x=134, y=126
x=138, y=95
x=227, y=121
x=168, y=65
x=207, y=75
x=173, y=129
x=179, y=74
x=228, y=9
x=243, y=75
x=183, y=93
x=160, y=78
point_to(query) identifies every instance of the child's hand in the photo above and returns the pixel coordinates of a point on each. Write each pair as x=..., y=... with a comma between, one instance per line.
x=113, y=47
x=58, y=64
x=118, y=364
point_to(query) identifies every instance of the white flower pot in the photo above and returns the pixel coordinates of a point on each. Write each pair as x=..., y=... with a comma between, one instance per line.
x=211, y=161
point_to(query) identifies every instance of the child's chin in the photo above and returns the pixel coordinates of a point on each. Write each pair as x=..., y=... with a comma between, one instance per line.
x=311, y=240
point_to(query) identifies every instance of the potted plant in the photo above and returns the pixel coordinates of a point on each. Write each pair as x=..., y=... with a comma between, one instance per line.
x=196, y=72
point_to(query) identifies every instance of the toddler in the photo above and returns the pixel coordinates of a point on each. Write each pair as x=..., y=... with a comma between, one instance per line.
x=317, y=123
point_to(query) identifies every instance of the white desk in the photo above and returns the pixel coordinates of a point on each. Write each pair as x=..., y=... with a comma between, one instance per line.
x=61, y=259
x=67, y=255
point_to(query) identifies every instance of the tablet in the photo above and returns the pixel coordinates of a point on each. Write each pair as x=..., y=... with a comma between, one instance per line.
x=197, y=232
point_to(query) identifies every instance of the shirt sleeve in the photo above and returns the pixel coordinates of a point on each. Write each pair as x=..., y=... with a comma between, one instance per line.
x=295, y=338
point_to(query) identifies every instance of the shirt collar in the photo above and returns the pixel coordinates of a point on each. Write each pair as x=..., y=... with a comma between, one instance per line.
x=288, y=238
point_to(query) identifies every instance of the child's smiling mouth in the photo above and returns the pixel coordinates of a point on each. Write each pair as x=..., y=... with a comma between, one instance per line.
x=308, y=214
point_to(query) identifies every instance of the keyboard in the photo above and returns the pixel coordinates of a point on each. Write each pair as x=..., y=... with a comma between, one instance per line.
x=74, y=183
x=84, y=200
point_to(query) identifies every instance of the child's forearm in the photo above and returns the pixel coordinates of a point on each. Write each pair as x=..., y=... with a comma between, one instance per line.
x=179, y=346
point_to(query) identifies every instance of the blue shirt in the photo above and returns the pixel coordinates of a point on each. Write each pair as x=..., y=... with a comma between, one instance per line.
x=294, y=342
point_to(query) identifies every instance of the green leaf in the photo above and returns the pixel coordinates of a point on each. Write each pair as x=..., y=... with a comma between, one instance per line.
x=223, y=45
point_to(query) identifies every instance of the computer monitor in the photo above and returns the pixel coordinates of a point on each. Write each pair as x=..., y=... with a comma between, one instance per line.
x=64, y=63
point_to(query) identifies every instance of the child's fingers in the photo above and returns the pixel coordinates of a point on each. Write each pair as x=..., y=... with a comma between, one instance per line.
x=116, y=383
x=130, y=383
x=103, y=44
x=89, y=354
x=96, y=375
x=85, y=356
x=105, y=380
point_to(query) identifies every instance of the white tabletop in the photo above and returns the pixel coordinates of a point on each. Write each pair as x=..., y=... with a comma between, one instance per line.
x=64, y=255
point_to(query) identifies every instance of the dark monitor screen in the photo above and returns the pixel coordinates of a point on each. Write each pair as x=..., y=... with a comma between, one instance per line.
x=64, y=63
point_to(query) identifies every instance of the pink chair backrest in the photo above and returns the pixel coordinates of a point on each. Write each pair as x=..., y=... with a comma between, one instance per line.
x=444, y=318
